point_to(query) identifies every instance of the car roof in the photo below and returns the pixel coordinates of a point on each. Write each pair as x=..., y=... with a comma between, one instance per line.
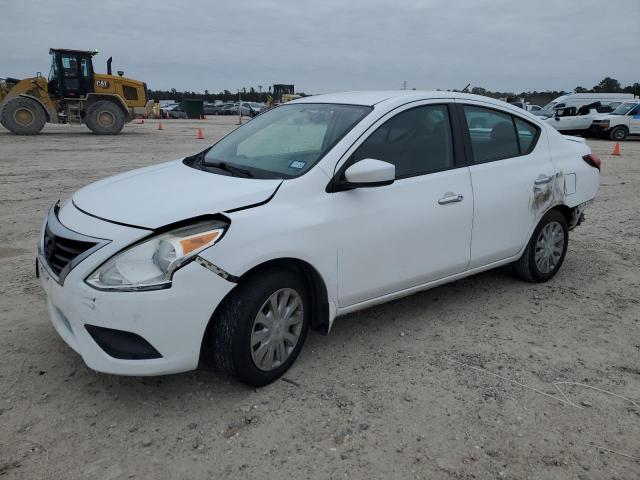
x=371, y=98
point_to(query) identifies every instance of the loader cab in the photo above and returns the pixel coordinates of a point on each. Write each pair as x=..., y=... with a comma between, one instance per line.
x=71, y=74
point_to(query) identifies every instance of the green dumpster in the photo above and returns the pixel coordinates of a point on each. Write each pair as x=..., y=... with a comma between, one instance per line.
x=194, y=108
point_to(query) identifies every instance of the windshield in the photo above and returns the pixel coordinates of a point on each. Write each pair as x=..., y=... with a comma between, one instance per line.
x=549, y=106
x=286, y=141
x=624, y=109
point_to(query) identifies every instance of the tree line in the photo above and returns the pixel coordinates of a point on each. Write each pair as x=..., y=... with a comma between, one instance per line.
x=248, y=95
x=607, y=85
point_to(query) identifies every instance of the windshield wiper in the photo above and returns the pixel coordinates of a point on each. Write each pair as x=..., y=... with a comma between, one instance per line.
x=230, y=168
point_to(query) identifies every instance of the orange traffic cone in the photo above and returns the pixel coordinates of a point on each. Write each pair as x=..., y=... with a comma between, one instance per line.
x=200, y=137
x=616, y=149
x=160, y=125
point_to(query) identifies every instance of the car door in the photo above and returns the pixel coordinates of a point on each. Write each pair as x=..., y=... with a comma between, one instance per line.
x=634, y=121
x=418, y=229
x=513, y=178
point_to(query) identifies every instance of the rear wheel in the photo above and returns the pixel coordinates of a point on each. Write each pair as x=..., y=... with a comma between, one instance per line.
x=105, y=118
x=618, y=134
x=546, y=249
x=260, y=328
x=23, y=116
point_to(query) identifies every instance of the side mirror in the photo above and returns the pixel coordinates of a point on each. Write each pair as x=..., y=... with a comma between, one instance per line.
x=370, y=173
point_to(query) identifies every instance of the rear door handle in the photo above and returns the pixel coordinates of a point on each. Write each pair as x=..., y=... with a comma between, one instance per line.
x=542, y=179
x=450, y=198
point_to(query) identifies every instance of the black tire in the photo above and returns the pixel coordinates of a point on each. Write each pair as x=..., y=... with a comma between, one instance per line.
x=234, y=323
x=23, y=116
x=526, y=267
x=105, y=118
x=618, y=133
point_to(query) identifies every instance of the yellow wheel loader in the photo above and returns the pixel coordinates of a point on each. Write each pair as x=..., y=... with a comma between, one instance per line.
x=73, y=93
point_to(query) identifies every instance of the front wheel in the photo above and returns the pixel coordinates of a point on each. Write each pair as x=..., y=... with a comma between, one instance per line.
x=546, y=249
x=23, y=116
x=259, y=329
x=105, y=118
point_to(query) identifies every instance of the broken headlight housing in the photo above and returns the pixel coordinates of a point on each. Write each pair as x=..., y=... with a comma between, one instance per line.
x=150, y=264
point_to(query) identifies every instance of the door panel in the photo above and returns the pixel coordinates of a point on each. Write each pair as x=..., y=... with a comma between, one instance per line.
x=417, y=229
x=507, y=200
x=634, y=123
x=399, y=236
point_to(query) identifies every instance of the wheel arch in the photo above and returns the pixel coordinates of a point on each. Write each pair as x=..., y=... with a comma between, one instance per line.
x=566, y=211
x=110, y=97
x=47, y=113
x=320, y=319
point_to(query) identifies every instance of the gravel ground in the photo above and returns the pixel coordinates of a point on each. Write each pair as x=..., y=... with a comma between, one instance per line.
x=456, y=382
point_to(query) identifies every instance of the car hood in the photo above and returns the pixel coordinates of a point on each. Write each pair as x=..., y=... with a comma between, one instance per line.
x=156, y=196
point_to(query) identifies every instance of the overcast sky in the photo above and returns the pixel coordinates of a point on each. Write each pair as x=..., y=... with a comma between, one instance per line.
x=330, y=45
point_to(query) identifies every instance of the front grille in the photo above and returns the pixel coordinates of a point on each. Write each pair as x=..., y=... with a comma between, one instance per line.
x=60, y=252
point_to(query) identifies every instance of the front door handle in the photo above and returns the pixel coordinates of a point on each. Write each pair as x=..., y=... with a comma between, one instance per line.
x=543, y=179
x=450, y=198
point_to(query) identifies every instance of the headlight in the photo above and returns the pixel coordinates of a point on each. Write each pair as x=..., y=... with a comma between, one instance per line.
x=150, y=265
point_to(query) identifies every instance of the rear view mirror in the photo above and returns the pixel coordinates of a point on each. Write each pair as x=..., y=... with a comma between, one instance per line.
x=370, y=173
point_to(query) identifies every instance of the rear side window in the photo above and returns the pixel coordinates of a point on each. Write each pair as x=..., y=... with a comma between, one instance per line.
x=527, y=134
x=416, y=141
x=492, y=134
x=497, y=135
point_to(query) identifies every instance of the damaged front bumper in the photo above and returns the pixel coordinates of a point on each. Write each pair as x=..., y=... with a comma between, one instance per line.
x=129, y=333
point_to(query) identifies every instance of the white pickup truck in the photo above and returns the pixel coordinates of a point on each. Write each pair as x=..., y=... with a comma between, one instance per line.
x=576, y=121
x=619, y=124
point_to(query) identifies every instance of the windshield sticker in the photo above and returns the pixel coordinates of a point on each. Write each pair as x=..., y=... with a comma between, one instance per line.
x=297, y=164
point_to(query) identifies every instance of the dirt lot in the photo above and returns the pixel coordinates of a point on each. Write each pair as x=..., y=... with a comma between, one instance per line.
x=456, y=382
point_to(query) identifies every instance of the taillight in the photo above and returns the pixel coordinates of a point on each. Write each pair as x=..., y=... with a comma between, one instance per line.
x=593, y=160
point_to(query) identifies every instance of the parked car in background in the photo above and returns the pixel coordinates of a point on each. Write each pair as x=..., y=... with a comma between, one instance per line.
x=174, y=111
x=217, y=109
x=570, y=120
x=317, y=208
x=228, y=109
x=248, y=109
x=578, y=100
x=619, y=124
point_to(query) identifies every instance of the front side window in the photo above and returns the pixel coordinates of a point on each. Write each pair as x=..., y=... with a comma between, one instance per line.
x=416, y=141
x=69, y=66
x=286, y=141
x=53, y=73
x=492, y=133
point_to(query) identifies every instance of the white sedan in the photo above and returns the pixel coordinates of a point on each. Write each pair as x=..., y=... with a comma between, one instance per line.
x=317, y=208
